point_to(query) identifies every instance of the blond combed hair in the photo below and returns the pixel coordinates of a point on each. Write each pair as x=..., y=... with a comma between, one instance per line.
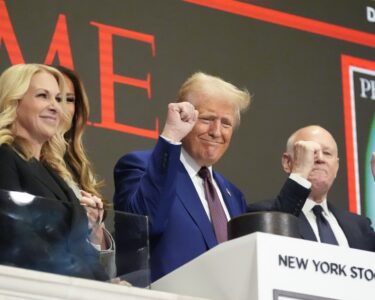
x=204, y=84
x=14, y=83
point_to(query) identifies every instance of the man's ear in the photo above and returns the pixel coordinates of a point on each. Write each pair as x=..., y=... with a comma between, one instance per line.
x=337, y=167
x=286, y=162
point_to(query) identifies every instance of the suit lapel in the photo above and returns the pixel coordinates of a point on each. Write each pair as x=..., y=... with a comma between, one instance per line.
x=305, y=229
x=190, y=200
x=345, y=225
x=79, y=219
x=51, y=181
x=67, y=191
x=227, y=196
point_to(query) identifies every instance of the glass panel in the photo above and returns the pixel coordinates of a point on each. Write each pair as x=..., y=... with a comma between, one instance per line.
x=53, y=236
x=130, y=233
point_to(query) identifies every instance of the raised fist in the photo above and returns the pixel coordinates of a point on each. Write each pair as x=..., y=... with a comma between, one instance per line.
x=181, y=118
x=305, y=153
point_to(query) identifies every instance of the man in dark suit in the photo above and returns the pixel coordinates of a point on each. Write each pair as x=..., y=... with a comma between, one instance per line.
x=311, y=160
x=164, y=183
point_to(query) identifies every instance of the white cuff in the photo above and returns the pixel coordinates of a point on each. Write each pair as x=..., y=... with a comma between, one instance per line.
x=300, y=180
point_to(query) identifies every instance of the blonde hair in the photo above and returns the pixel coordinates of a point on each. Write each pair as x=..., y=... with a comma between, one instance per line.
x=14, y=83
x=204, y=84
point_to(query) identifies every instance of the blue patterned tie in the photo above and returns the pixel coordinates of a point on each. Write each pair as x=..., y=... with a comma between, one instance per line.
x=325, y=230
x=218, y=218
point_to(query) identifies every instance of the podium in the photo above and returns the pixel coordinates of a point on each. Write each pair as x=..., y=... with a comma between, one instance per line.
x=263, y=266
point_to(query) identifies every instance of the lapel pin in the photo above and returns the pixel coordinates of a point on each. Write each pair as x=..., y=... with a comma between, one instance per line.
x=228, y=192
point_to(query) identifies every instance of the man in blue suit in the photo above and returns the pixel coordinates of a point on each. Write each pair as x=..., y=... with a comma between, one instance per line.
x=166, y=185
x=311, y=160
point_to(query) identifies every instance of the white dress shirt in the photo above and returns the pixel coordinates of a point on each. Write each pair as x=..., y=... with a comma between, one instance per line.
x=337, y=231
x=310, y=216
x=193, y=168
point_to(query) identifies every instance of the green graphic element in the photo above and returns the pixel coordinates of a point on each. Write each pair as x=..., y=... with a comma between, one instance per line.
x=369, y=180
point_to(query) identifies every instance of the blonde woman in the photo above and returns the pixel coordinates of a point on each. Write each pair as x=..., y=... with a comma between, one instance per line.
x=33, y=119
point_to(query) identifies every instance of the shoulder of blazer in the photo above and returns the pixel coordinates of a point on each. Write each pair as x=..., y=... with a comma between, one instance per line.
x=343, y=215
x=9, y=157
x=7, y=150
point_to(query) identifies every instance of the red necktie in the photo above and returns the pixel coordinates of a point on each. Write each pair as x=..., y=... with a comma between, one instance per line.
x=218, y=218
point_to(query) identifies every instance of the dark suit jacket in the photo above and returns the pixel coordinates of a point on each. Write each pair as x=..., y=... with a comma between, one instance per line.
x=156, y=184
x=357, y=229
x=60, y=243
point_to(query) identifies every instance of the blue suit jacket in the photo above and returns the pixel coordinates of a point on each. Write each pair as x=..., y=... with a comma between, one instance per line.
x=357, y=229
x=156, y=184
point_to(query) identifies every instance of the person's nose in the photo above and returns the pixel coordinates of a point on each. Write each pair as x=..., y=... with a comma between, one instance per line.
x=54, y=106
x=319, y=157
x=215, y=128
x=53, y=109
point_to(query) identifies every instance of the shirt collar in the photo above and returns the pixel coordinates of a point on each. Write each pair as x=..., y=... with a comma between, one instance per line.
x=190, y=164
x=309, y=204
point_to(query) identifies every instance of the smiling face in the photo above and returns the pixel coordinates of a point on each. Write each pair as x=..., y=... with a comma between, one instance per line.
x=212, y=133
x=38, y=113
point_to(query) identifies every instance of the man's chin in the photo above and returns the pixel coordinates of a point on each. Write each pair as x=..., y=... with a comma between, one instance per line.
x=210, y=160
x=318, y=173
x=319, y=187
x=318, y=176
